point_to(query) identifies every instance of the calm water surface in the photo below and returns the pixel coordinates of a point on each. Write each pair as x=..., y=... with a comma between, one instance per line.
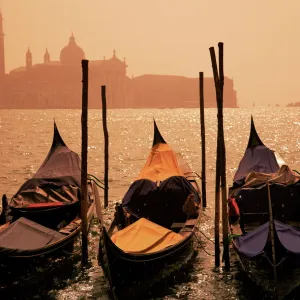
x=26, y=136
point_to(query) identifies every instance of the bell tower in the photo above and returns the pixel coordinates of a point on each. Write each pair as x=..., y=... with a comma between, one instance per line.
x=28, y=59
x=46, y=57
x=2, y=61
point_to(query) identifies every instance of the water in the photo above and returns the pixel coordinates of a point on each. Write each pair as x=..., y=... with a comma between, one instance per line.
x=26, y=136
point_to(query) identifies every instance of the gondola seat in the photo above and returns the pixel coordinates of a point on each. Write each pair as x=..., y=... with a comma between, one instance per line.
x=25, y=234
x=144, y=236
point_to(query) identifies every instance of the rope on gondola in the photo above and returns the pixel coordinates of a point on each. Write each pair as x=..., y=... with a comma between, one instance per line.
x=199, y=243
x=193, y=176
x=198, y=175
x=232, y=236
x=96, y=181
x=296, y=172
x=281, y=261
x=96, y=178
x=205, y=235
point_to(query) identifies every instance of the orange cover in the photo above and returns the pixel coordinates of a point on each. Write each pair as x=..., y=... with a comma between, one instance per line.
x=144, y=236
x=161, y=164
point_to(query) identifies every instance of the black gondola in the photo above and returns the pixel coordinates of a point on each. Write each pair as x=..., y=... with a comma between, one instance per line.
x=152, y=235
x=264, y=206
x=43, y=217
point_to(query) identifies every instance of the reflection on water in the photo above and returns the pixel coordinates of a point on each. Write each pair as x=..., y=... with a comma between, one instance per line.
x=26, y=137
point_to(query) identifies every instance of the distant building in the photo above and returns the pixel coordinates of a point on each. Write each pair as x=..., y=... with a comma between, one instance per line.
x=57, y=84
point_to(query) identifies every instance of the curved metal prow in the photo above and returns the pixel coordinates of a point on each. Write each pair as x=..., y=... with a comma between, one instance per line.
x=57, y=139
x=157, y=139
x=254, y=139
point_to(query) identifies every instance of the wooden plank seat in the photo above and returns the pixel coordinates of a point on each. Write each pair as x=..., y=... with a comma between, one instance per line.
x=188, y=223
x=177, y=225
x=71, y=226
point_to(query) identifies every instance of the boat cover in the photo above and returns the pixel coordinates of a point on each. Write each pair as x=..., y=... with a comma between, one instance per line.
x=161, y=164
x=253, y=243
x=288, y=236
x=257, y=158
x=284, y=176
x=57, y=179
x=161, y=204
x=145, y=236
x=24, y=235
x=161, y=188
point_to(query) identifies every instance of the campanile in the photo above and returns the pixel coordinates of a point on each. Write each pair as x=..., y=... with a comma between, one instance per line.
x=2, y=61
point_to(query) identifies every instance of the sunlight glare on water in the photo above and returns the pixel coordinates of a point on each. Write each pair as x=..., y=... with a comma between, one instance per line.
x=26, y=137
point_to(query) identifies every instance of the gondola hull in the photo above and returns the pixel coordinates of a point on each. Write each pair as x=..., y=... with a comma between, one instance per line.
x=131, y=275
x=264, y=216
x=43, y=217
x=62, y=246
x=261, y=273
x=153, y=231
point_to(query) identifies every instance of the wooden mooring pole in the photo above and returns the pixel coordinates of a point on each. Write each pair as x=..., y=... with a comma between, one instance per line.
x=202, y=122
x=223, y=161
x=103, y=96
x=217, y=186
x=220, y=162
x=84, y=150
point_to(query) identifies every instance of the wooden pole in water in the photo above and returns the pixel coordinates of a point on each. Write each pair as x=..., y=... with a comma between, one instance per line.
x=217, y=187
x=272, y=238
x=103, y=96
x=4, y=210
x=84, y=150
x=223, y=161
x=203, y=174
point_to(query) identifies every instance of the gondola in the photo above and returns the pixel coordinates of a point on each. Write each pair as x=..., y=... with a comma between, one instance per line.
x=264, y=216
x=153, y=232
x=43, y=217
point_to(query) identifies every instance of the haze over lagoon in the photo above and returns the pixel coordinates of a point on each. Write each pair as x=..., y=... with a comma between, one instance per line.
x=170, y=37
x=27, y=137
x=157, y=37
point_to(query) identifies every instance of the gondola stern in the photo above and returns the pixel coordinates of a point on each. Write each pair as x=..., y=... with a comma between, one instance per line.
x=103, y=259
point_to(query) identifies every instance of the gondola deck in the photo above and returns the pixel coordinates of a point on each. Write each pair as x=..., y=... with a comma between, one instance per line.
x=265, y=223
x=163, y=192
x=43, y=216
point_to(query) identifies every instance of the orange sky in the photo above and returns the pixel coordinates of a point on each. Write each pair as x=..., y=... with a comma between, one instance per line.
x=261, y=38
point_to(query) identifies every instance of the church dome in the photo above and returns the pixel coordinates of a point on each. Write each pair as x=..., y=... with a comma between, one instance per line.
x=71, y=54
x=116, y=61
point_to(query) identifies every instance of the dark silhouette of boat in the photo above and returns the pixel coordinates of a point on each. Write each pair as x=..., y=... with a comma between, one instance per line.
x=264, y=212
x=153, y=231
x=43, y=217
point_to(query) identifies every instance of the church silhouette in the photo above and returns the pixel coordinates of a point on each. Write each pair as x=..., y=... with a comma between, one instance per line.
x=57, y=83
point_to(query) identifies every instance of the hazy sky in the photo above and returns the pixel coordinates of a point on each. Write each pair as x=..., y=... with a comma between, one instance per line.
x=261, y=38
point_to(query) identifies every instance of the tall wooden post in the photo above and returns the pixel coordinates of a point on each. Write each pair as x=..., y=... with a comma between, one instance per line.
x=84, y=150
x=103, y=96
x=223, y=161
x=4, y=210
x=203, y=149
x=221, y=158
x=217, y=187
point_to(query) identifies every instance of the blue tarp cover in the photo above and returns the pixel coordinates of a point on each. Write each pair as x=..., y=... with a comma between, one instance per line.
x=288, y=236
x=253, y=243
